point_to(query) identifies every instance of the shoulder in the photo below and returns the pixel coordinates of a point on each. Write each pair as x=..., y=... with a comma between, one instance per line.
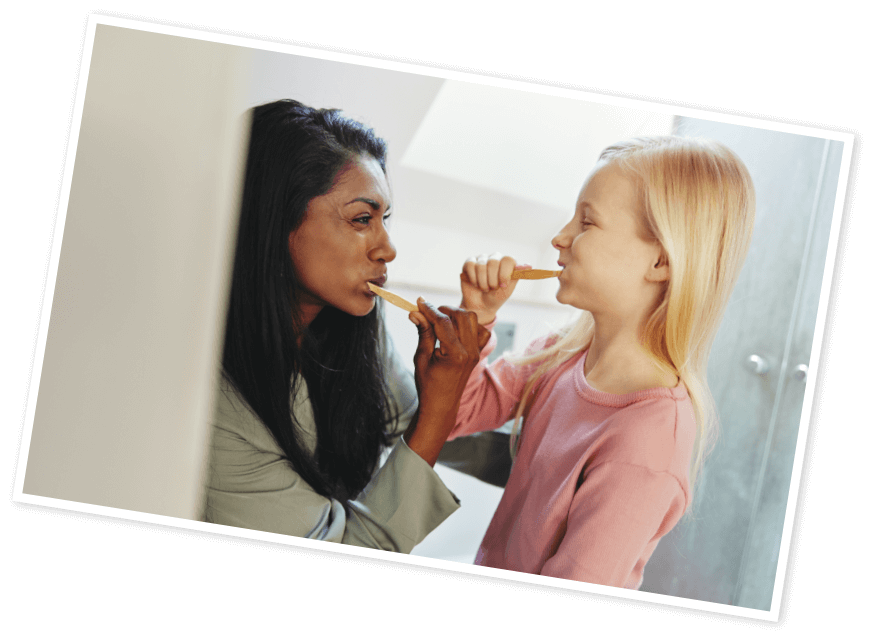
x=233, y=417
x=526, y=360
x=655, y=432
x=542, y=343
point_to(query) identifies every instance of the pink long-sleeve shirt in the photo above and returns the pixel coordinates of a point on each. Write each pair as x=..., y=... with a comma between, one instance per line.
x=598, y=478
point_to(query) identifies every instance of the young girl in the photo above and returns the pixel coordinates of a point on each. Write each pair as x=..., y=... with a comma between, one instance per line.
x=616, y=410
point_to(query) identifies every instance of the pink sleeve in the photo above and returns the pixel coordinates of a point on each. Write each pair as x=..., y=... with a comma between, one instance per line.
x=616, y=518
x=493, y=391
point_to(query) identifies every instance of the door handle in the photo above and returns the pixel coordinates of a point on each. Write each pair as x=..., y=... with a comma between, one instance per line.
x=757, y=364
x=800, y=372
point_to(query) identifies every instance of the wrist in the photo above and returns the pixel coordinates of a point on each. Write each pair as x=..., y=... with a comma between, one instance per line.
x=484, y=317
x=427, y=435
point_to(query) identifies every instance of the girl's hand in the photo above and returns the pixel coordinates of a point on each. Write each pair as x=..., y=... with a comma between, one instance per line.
x=485, y=284
x=442, y=373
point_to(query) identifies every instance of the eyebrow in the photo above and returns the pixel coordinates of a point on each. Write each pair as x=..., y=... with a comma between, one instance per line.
x=372, y=203
x=585, y=204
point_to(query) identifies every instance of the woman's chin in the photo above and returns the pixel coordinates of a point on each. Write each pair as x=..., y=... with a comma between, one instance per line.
x=356, y=305
x=360, y=308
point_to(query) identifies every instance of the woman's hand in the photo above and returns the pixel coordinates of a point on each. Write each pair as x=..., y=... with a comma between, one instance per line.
x=442, y=373
x=485, y=284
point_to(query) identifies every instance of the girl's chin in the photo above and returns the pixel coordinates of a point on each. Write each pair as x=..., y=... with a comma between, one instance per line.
x=566, y=299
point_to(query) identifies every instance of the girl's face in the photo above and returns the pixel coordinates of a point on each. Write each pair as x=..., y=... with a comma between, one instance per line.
x=343, y=242
x=610, y=265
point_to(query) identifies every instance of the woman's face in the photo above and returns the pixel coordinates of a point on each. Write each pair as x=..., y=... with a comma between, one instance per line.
x=343, y=242
x=609, y=263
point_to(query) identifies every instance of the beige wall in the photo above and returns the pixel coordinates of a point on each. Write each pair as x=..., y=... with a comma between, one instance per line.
x=124, y=395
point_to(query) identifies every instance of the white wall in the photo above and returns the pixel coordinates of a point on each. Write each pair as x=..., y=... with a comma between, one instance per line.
x=125, y=392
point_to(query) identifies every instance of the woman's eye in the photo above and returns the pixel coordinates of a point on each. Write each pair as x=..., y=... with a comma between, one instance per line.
x=364, y=220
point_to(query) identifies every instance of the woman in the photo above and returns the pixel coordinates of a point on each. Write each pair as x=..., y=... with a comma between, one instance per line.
x=311, y=392
x=617, y=412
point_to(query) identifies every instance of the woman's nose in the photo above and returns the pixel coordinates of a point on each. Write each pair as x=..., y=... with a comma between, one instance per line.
x=384, y=249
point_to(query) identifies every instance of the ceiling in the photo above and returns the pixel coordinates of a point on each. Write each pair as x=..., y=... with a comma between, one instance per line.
x=529, y=145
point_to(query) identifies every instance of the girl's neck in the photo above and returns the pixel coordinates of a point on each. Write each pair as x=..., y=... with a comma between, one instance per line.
x=618, y=363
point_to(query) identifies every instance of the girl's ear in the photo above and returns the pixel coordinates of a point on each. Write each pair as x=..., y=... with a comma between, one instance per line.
x=660, y=270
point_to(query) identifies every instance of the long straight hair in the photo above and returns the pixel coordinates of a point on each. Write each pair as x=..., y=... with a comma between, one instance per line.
x=700, y=206
x=296, y=153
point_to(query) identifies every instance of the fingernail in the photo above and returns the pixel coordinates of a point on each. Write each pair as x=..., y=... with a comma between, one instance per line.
x=421, y=300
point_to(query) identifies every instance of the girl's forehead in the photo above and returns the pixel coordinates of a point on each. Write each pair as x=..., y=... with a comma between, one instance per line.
x=609, y=185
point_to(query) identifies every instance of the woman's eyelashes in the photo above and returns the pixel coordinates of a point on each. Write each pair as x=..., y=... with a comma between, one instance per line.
x=366, y=218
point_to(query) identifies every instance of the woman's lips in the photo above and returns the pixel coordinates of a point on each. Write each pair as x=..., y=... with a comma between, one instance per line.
x=380, y=281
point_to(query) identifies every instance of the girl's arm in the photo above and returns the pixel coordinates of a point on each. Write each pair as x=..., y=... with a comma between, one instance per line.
x=616, y=519
x=492, y=392
x=632, y=493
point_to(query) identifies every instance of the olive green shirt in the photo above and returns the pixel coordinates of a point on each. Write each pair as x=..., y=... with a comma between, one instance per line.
x=251, y=484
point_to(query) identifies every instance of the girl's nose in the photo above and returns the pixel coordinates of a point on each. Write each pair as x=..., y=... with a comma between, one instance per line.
x=561, y=240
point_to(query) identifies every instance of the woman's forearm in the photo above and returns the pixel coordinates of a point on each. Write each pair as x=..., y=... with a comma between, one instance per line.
x=429, y=430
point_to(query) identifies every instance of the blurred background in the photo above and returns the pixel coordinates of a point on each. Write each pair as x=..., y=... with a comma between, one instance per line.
x=141, y=284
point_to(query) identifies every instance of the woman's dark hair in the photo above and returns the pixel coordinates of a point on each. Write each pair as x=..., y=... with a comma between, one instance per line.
x=295, y=154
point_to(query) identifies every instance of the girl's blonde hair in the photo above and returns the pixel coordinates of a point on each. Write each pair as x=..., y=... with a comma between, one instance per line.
x=700, y=206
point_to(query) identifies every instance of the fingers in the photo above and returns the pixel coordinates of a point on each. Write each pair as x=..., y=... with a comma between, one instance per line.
x=460, y=336
x=507, y=266
x=483, y=335
x=443, y=327
x=417, y=318
x=426, y=337
x=488, y=272
x=466, y=326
